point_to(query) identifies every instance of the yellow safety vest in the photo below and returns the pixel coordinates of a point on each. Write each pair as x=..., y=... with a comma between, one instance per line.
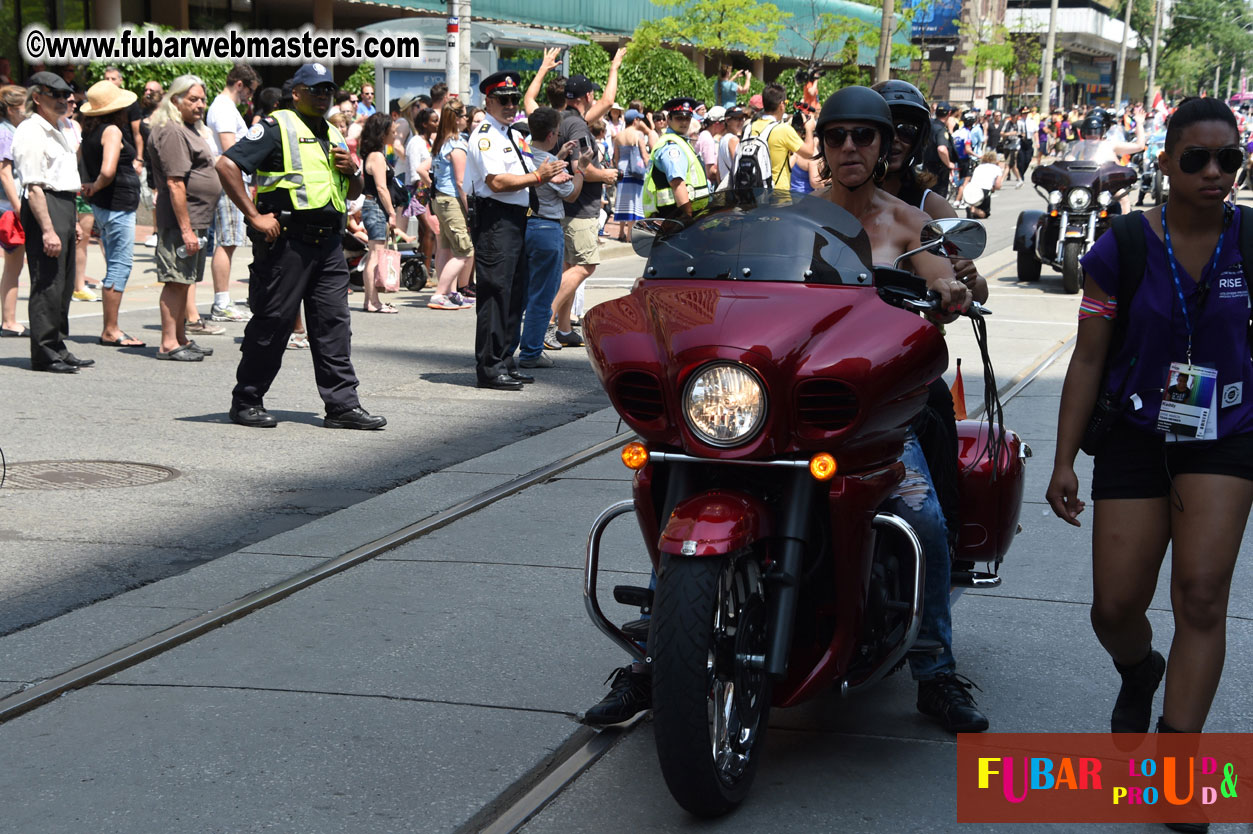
x=660, y=197
x=308, y=172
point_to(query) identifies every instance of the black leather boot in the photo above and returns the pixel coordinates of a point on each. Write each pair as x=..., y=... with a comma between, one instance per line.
x=1134, y=708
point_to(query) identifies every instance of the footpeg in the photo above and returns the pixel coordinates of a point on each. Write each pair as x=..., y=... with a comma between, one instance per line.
x=641, y=598
x=923, y=646
x=974, y=579
x=637, y=630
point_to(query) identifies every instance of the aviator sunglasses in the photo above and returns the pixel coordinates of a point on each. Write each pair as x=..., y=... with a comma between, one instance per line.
x=863, y=137
x=1194, y=159
x=511, y=99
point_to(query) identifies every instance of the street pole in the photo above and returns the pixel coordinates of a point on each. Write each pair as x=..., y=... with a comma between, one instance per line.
x=1231, y=76
x=1122, y=56
x=883, y=68
x=463, y=65
x=1157, y=35
x=1217, y=69
x=1046, y=63
x=452, y=55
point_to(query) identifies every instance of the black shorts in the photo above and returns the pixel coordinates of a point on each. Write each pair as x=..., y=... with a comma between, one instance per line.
x=965, y=167
x=1137, y=464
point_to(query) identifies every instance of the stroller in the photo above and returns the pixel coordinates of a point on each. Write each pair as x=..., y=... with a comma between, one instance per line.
x=413, y=272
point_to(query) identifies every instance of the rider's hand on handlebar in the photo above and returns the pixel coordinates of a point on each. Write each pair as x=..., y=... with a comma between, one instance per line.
x=954, y=295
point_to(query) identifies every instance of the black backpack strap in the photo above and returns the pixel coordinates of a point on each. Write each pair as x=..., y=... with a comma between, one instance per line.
x=1128, y=230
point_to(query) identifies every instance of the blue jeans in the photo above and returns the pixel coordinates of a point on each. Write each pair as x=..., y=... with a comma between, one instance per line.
x=544, y=251
x=916, y=501
x=117, y=239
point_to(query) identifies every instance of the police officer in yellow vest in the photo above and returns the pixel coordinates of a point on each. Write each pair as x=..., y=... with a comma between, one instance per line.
x=676, y=182
x=304, y=176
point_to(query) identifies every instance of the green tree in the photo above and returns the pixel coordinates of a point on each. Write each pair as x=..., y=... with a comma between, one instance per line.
x=361, y=76
x=1201, y=31
x=654, y=76
x=989, y=48
x=748, y=26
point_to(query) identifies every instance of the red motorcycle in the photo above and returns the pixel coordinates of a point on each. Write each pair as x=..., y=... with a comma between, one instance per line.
x=771, y=373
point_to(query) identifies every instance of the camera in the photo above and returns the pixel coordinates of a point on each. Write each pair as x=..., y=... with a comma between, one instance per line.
x=806, y=74
x=800, y=112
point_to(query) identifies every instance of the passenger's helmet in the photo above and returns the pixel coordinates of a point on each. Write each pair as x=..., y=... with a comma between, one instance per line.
x=906, y=104
x=859, y=104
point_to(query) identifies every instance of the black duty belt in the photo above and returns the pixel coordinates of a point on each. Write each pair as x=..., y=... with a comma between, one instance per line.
x=295, y=229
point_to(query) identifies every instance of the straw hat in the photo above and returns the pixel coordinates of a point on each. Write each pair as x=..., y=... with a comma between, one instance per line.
x=106, y=97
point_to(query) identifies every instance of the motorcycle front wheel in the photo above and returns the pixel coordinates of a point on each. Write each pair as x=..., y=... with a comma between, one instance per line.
x=710, y=701
x=1072, y=272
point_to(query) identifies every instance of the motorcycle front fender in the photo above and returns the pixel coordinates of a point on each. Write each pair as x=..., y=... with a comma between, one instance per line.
x=715, y=523
x=1024, y=234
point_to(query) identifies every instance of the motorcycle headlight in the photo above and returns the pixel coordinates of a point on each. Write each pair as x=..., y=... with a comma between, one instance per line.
x=1055, y=198
x=724, y=404
x=1105, y=198
x=1078, y=199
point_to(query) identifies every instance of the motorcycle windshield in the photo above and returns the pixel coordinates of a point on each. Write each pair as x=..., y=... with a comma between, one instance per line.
x=763, y=235
x=1093, y=150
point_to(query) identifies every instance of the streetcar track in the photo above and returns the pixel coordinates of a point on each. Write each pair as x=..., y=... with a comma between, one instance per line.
x=137, y=652
x=527, y=796
x=533, y=792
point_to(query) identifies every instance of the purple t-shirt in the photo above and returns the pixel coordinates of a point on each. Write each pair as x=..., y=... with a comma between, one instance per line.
x=1158, y=336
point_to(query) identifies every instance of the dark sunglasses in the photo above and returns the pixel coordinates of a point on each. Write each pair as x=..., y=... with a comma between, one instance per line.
x=908, y=132
x=1195, y=159
x=56, y=93
x=863, y=137
x=509, y=100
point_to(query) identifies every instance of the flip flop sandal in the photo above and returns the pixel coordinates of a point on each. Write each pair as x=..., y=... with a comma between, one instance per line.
x=298, y=341
x=386, y=308
x=122, y=342
x=182, y=354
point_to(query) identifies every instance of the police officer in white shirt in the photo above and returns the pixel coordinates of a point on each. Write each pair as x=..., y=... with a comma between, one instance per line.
x=499, y=175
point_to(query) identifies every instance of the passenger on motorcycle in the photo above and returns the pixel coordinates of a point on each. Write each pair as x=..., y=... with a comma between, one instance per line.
x=857, y=129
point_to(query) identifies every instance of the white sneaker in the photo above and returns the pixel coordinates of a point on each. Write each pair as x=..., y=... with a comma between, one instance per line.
x=442, y=302
x=151, y=241
x=228, y=313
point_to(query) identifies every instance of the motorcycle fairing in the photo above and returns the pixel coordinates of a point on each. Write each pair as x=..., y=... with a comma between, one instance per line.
x=715, y=523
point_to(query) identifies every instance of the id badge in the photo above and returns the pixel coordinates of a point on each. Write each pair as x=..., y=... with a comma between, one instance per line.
x=1189, y=403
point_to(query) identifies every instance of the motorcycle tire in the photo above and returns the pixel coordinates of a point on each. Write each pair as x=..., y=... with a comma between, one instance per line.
x=709, y=710
x=1072, y=272
x=1028, y=266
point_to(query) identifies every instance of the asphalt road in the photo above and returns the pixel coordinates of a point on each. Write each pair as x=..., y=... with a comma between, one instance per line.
x=63, y=548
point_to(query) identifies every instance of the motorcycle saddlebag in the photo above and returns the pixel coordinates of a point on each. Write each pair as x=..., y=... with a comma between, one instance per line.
x=991, y=497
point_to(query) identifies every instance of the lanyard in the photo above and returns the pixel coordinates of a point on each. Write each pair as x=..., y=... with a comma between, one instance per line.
x=1208, y=271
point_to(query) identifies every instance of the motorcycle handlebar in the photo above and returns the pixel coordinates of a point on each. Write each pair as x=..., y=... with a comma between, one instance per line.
x=932, y=305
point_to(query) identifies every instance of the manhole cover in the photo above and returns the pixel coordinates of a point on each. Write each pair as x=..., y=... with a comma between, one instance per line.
x=85, y=474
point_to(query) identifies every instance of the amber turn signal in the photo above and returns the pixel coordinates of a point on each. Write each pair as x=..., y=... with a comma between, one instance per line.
x=635, y=456
x=822, y=466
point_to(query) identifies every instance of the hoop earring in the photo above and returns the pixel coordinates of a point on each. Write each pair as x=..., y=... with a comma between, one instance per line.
x=880, y=171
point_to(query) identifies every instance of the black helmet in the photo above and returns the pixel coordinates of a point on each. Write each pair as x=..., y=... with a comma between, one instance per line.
x=969, y=119
x=859, y=104
x=906, y=104
x=1093, y=127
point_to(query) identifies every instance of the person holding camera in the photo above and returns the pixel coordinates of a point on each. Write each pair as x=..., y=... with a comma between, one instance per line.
x=726, y=90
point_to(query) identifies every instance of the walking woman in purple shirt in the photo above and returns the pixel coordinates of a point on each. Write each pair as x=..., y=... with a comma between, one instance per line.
x=1169, y=472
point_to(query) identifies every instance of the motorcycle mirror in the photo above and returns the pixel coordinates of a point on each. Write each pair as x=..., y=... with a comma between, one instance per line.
x=956, y=238
x=644, y=232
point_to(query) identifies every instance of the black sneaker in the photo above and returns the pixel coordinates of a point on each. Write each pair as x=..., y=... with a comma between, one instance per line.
x=354, y=418
x=630, y=693
x=947, y=699
x=1134, y=708
x=572, y=339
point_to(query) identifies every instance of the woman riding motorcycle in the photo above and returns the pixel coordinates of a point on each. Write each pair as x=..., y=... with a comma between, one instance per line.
x=857, y=128
x=857, y=131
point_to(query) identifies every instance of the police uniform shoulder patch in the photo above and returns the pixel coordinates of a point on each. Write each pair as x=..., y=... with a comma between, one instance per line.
x=269, y=120
x=256, y=131
x=485, y=144
x=483, y=128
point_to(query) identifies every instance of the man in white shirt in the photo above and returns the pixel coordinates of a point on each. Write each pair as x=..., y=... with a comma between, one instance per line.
x=228, y=229
x=45, y=164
